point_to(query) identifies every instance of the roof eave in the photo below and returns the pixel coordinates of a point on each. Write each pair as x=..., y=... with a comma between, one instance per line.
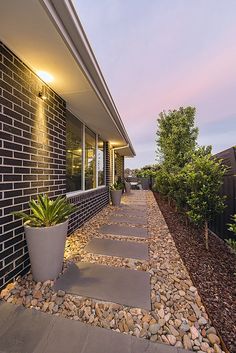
x=65, y=17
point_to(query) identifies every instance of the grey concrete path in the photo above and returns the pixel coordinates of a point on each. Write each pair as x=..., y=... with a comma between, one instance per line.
x=30, y=331
x=112, y=284
x=116, y=229
x=110, y=247
x=131, y=212
x=129, y=220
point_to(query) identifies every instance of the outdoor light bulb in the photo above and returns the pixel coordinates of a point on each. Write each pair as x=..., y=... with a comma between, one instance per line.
x=45, y=76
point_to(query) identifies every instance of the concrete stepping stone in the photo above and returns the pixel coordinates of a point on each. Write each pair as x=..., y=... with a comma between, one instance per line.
x=113, y=284
x=131, y=212
x=20, y=324
x=136, y=201
x=125, y=219
x=110, y=247
x=53, y=334
x=116, y=229
x=126, y=207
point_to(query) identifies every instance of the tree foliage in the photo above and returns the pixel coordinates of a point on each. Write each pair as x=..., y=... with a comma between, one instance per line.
x=188, y=174
x=147, y=171
x=176, y=137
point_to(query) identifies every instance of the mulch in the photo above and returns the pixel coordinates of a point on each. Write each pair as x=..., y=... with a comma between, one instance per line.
x=213, y=272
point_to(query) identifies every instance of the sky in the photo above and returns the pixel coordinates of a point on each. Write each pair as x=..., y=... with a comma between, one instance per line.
x=158, y=55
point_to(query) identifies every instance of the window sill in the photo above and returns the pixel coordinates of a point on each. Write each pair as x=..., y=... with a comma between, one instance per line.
x=81, y=192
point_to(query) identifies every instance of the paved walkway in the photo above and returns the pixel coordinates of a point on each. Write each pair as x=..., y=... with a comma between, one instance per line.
x=125, y=234
x=118, y=285
x=31, y=331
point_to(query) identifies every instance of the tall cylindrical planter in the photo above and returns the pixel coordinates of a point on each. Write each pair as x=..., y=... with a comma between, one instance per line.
x=127, y=187
x=116, y=197
x=46, y=247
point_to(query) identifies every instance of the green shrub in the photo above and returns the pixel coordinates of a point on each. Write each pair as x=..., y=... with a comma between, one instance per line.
x=231, y=243
x=162, y=182
x=46, y=212
x=204, y=177
x=232, y=226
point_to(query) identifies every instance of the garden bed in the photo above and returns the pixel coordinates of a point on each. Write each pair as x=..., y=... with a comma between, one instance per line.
x=213, y=272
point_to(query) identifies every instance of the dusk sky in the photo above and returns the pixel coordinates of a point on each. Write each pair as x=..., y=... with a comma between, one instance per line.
x=162, y=54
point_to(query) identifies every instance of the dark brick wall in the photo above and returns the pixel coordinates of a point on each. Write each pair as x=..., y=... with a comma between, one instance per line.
x=88, y=203
x=119, y=168
x=32, y=159
x=108, y=163
x=32, y=155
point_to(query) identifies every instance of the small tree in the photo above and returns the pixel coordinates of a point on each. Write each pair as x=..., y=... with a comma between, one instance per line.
x=176, y=137
x=204, y=176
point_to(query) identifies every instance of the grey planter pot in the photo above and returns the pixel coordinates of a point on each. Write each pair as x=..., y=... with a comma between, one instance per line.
x=116, y=197
x=127, y=187
x=46, y=250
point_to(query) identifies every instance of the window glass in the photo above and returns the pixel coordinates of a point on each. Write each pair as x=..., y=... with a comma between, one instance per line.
x=74, y=130
x=101, y=162
x=90, y=159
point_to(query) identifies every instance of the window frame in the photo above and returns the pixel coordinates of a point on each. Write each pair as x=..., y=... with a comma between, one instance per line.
x=97, y=137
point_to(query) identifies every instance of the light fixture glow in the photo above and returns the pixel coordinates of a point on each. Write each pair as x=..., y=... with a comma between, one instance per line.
x=45, y=76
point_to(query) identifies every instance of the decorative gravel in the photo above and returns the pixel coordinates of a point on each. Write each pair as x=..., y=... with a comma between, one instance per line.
x=178, y=316
x=213, y=271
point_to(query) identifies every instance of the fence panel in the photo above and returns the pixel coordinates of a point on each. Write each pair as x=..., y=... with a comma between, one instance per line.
x=220, y=224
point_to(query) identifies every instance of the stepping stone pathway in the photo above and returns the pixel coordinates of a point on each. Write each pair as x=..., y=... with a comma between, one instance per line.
x=125, y=219
x=116, y=229
x=113, y=284
x=31, y=331
x=118, y=248
x=131, y=212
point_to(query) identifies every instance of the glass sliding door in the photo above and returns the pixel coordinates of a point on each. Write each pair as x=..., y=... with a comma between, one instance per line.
x=74, y=130
x=101, y=162
x=90, y=159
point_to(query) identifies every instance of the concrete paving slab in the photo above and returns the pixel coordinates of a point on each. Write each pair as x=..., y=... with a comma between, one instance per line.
x=65, y=337
x=131, y=212
x=134, y=207
x=116, y=229
x=127, y=249
x=113, y=284
x=69, y=336
x=23, y=330
x=125, y=219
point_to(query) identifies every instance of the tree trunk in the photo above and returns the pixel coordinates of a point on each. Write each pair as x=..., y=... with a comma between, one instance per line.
x=186, y=221
x=169, y=203
x=206, y=235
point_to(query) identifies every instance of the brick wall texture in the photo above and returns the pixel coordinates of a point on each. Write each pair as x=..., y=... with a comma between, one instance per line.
x=119, y=167
x=32, y=159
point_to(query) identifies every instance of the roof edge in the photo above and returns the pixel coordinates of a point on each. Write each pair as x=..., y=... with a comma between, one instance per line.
x=64, y=15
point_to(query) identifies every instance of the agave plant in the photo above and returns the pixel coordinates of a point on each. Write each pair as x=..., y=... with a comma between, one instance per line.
x=46, y=212
x=117, y=186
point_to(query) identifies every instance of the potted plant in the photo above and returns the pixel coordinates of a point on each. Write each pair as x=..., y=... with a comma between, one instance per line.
x=46, y=231
x=127, y=187
x=116, y=193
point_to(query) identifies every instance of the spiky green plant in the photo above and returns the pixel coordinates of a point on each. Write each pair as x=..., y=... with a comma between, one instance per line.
x=45, y=212
x=117, y=186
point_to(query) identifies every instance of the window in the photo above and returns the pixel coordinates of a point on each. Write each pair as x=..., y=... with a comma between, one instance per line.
x=74, y=129
x=101, y=162
x=90, y=159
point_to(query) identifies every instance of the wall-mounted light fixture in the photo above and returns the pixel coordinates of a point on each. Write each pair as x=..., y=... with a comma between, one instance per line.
x=42, y=93
x=45, y=76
